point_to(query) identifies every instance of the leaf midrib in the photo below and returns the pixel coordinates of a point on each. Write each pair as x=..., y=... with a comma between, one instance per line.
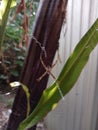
x=74, y=62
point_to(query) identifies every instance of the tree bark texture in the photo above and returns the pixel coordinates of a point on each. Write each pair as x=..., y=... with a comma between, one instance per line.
x=44, y=43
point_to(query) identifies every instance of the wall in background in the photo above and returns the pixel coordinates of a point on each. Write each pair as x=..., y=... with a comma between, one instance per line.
x=79, y=109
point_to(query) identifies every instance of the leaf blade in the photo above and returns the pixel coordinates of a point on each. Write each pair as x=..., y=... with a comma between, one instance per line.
x=66, y=79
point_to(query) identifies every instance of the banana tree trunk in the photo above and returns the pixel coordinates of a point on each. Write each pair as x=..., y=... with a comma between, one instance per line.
x=44, y=43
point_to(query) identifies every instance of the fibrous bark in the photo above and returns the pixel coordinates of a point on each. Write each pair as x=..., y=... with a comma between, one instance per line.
x=44, y=43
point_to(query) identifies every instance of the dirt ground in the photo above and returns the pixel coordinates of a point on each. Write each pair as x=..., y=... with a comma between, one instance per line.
x=4, y=114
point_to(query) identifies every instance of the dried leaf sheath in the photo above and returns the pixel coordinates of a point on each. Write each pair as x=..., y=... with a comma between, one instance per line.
x=47, y=27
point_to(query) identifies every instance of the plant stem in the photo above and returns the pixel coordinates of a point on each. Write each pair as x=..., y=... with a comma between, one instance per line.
x=4, y=22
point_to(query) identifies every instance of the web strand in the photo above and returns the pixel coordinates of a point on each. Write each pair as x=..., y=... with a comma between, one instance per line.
x=39, y=44
x=61, y=94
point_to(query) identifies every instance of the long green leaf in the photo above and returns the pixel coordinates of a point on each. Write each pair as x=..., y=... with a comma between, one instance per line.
x=26, y=90
x=66, y=79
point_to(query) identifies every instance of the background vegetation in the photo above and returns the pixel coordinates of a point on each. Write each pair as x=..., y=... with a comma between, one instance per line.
x=14, y=46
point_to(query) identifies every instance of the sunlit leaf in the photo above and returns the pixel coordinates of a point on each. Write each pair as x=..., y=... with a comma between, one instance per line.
x=14, y=3
x=4, y=12
x=15, y=84
x=3, y=6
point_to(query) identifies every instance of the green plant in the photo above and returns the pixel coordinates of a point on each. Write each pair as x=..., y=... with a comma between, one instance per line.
x=14, y=29
x=10, y=67
x=66, y=79
x=11, y=53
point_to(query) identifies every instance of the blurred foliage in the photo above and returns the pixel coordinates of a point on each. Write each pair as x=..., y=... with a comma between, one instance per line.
x=13, y=55
x=14, y=30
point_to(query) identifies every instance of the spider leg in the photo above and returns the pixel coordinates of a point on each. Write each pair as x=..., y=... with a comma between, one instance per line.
x=43, y=75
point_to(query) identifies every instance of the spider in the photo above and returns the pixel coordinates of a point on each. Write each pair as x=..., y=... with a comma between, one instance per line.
x=47, y=70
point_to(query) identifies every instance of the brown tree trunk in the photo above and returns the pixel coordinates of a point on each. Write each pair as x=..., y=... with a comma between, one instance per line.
x=44, y=43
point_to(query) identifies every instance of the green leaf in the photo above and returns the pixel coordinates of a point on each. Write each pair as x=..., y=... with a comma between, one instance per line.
x=66, y=79
x=4, y=12
x=26, y=90
x=19, y=63
x=13, y=4
x=3, y=77
x=15, y=73
x=3, y=6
